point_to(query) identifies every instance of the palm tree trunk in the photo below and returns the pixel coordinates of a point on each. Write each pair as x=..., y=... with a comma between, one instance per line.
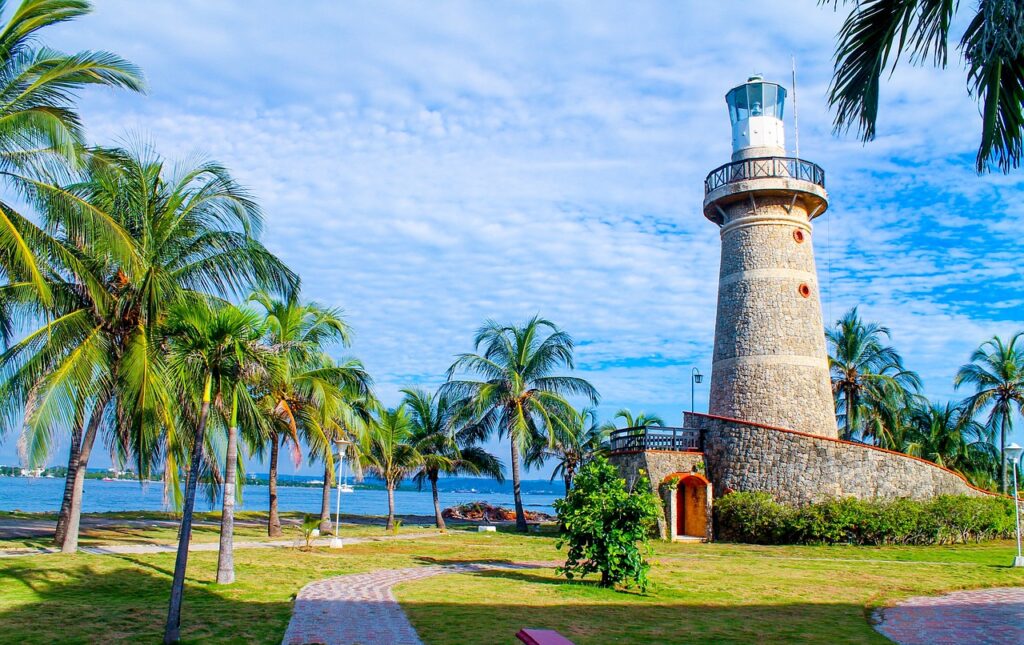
x=274, y=522
x=70, y=542
x=69, y=486
x=1004, y=430
x=325, y=503
x=848, y=421
x=226, y=555
x=438, y=518
x=568, y=483
x=390, y=526
x=516, y=492
x=172, y=630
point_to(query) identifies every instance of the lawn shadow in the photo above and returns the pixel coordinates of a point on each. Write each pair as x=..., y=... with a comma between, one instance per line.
x=80, y=603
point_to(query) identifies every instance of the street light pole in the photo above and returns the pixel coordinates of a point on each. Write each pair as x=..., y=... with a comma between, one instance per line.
x=336, y=540
x=695, y=377
x=1013, y=452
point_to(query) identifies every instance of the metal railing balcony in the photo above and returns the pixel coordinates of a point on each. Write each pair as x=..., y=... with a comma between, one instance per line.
x=764, y=168
x=655, y=438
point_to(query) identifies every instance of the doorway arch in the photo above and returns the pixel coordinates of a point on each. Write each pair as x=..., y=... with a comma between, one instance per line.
x=689, y=506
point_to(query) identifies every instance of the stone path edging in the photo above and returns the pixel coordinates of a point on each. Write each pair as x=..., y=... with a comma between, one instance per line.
x=980, y=617
x=361, y=608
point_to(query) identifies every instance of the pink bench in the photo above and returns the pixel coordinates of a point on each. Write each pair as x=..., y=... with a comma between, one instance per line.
x=542, y=637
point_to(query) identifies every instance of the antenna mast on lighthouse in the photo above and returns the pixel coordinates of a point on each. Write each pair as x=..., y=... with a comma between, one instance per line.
x=796, y=122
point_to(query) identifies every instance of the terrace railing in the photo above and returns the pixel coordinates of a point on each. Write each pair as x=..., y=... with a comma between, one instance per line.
x=764, y=167
x=655, y=438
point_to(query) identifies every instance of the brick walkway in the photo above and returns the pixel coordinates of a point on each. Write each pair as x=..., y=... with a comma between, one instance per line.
x=983, y=617
x=360, y=608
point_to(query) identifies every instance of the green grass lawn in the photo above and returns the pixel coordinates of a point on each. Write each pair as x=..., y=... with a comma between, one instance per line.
x=707, y=593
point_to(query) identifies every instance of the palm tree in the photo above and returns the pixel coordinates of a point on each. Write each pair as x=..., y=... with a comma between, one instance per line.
x=92, y=364
x=208, y=348
x=341, y=424
x=583, y=440
x=519, y=397
x=386, y=449
x=40, y=132
x=946, y=435
x=877, y=31
x=447, y=441
x=870, y=383
x=640, y=420
x=996, y=371
x=309, y=383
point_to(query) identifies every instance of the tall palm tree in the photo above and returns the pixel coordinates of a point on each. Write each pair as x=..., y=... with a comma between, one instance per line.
x=309, y=383
x=879, y=31
x=92, y=363
x=447, y=440
x=582, y=442
x=996, y=371
x=208, y=349
x=519, y=396
x=41, y=134
x=341, y=424
x=386, y=449
x=870, y=383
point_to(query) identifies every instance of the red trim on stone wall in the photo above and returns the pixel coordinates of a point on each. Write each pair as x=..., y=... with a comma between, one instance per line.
x=848, y=443
x=684, y=476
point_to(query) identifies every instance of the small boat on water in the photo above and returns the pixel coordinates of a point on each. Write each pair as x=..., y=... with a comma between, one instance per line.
x=347, y=488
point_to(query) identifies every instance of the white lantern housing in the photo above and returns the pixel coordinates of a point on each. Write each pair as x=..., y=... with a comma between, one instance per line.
x=755, y=110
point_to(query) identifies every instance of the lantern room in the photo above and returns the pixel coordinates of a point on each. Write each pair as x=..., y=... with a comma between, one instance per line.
x=755, y=110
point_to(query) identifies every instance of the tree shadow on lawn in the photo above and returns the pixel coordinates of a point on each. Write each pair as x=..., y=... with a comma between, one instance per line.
x=648, y=623
x=80, y=603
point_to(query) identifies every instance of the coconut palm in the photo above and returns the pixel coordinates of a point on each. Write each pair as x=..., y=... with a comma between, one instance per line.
x=583, y=440
x=520, y=396
x=638, y=421
x=92, y=364
x=878, y=32
x=447, y=440
x=208, y=350
x=340, y=425
x=869, y=381
x=309, y=383
x=40, y=132
x=946, y=435
x=996, y=372
x=386, y=449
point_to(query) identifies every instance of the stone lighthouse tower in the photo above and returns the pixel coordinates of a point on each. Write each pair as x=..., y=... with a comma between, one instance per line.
x=770, y=362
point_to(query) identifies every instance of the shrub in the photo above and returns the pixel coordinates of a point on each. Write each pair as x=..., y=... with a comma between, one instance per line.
x=606, y=526
x=757, y=518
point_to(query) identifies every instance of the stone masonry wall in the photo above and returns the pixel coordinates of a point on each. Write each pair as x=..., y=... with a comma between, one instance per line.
x=659, y=465
x=798, y=468
x=770, y=362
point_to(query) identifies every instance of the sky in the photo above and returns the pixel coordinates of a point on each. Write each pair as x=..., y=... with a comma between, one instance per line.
x=428, y=166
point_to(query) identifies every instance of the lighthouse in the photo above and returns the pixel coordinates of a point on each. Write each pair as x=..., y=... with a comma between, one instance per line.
x=770, y=364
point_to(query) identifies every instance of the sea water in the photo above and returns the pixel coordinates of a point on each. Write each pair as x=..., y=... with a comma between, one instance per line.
x=43, y=494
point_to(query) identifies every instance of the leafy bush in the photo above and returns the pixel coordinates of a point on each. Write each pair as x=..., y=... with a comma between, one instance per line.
x=607, y=526
x=757, y=518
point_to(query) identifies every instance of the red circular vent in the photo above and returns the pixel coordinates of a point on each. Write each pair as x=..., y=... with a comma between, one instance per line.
x=804, y=290
x=798, y=235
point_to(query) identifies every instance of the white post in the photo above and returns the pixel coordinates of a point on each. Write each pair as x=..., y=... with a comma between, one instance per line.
x=336, y=540
x=1019, y=560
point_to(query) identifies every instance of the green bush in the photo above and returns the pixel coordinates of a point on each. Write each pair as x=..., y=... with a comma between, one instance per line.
x=606, y=526
x=757, y=518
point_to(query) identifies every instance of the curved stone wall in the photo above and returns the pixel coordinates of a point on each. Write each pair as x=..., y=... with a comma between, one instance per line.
x=799, y=468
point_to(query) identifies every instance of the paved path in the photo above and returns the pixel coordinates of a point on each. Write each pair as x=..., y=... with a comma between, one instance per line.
x=982, y=617
x=360, y=608
x=122, y=549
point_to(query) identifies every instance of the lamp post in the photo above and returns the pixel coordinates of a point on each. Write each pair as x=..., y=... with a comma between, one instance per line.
x=695, y=377
x=336, y=540
x=1012, y=453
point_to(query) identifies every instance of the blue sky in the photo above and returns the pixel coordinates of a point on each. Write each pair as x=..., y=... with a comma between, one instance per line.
x=430, y=165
